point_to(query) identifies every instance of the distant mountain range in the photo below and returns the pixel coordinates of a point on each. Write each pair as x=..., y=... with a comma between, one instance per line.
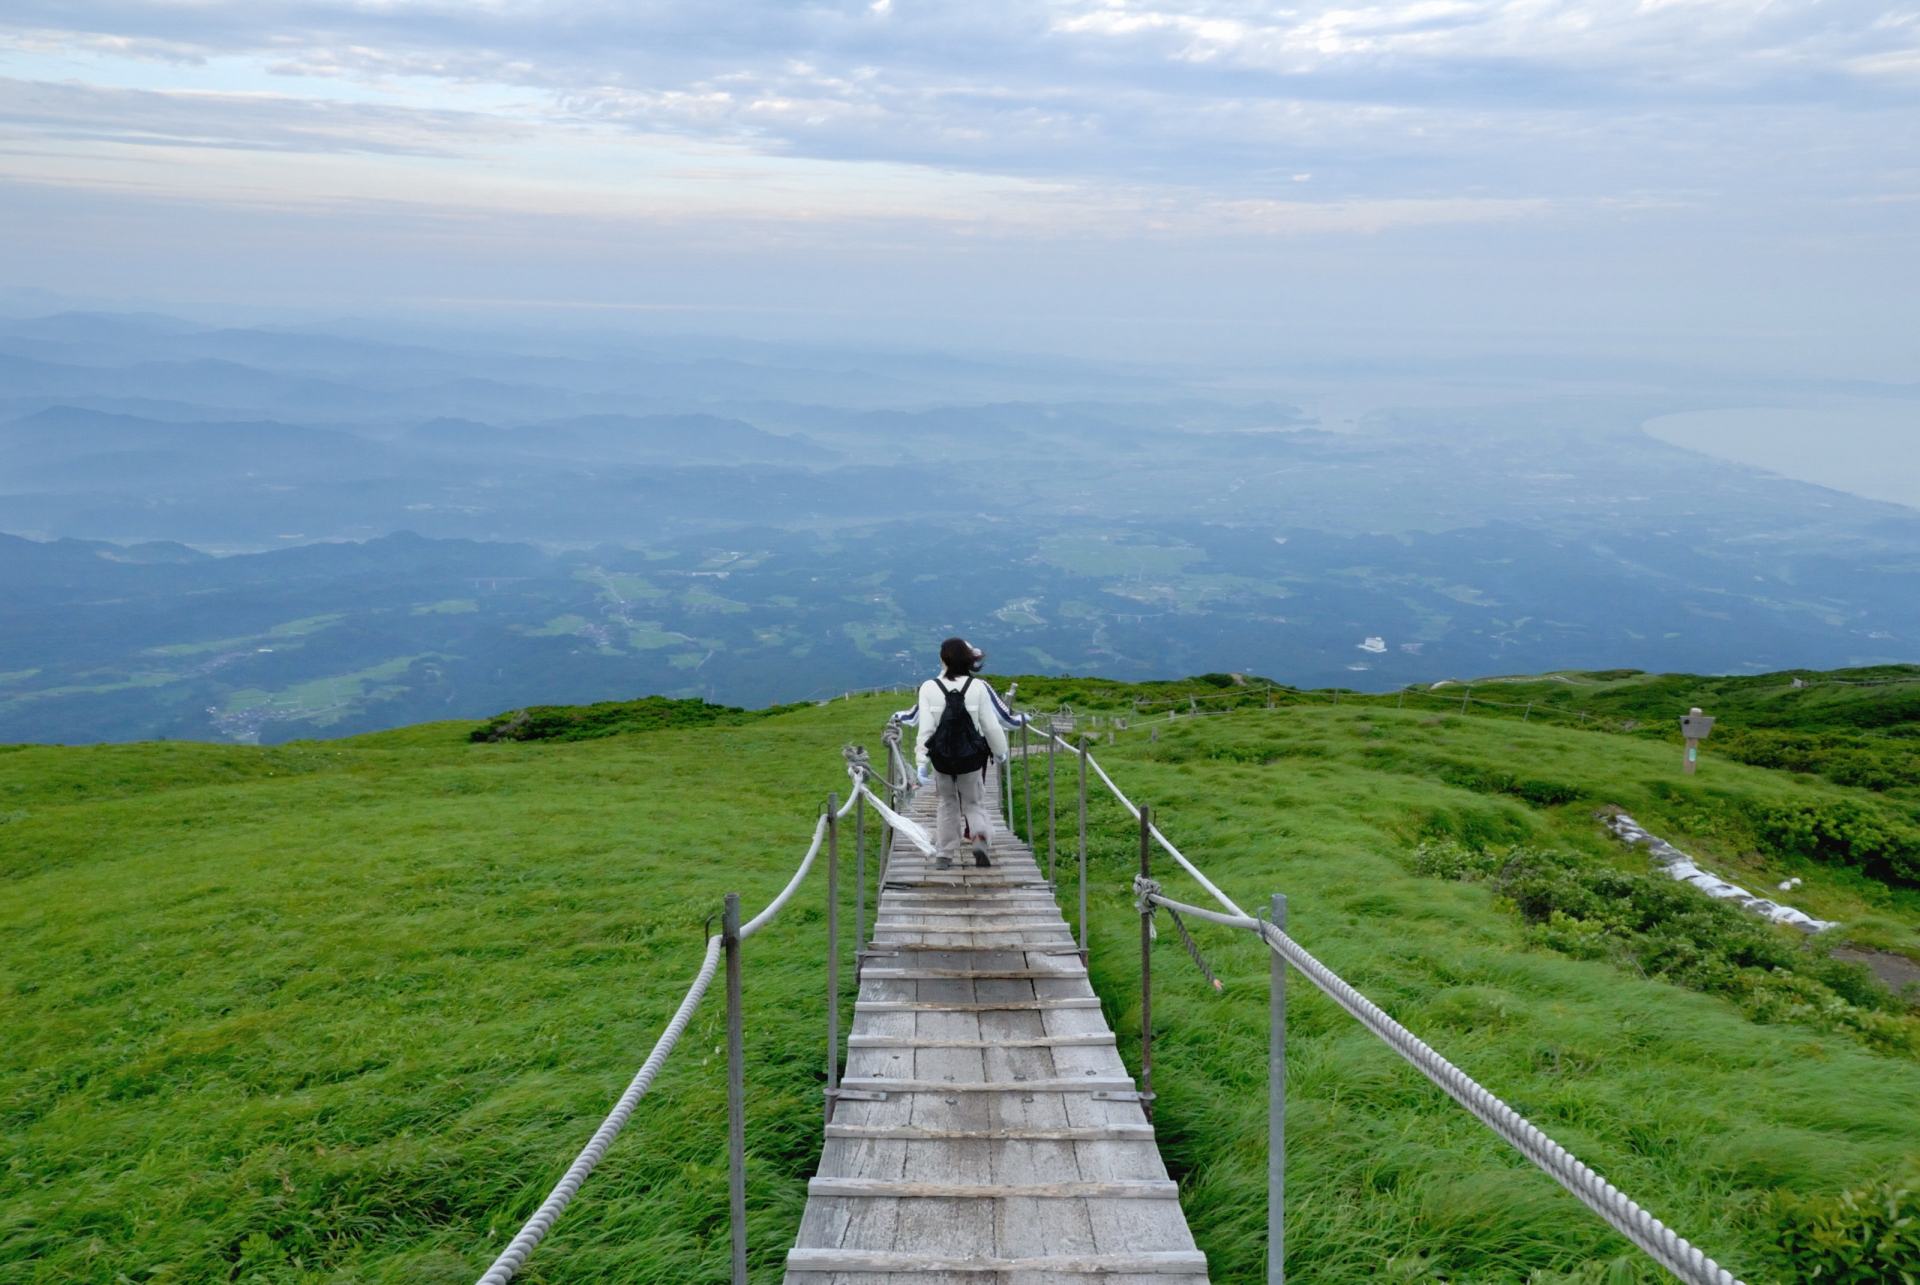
x=443, y=524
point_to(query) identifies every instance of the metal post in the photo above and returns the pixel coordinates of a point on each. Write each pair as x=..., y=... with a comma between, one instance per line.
x=1465, y=697
x=1146, y=966
x=736, y=1092
x=1083, y=851
x=859, y=877
x=833, y=952
x=1006, y=790
x=1026, y=779
x=1052, y=813
x=1277, y=1106
x=1529, y=714
x=886, y=846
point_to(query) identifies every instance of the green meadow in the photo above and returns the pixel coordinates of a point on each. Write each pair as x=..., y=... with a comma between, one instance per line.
x=343, y=1011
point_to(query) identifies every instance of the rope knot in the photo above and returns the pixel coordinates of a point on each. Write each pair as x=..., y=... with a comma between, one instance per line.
x=1143, y=889
x=858, y=763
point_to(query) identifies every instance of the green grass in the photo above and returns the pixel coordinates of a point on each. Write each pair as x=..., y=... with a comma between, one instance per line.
x=321, y=701
x=342, y=1011
x=288, y=629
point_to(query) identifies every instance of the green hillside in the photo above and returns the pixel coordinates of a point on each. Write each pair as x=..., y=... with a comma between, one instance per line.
x=342, y=1011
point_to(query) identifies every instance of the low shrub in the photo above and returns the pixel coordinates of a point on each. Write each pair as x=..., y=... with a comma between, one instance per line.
x=1870, y=1236
x=607, y=718
x=1663, y=928
x=1843, y=832
x=1482, y=779
x=1870, y=763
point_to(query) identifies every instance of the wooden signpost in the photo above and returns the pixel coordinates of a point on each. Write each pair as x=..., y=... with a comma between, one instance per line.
x=1696, y=727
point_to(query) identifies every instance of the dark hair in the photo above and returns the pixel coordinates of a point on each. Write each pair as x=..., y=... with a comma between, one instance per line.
x=958, y=658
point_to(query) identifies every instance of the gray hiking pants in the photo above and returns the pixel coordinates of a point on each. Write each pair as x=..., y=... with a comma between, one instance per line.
x=961, y=813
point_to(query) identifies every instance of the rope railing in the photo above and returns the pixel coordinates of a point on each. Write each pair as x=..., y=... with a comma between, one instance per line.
x=1645, y=1231
x=1660, y=1242
x=535, y=1229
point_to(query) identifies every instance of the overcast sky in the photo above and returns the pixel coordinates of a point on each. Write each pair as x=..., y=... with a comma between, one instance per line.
x=1724, y=182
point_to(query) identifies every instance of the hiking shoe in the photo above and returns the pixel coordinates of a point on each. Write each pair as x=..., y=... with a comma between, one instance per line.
x=980, y=853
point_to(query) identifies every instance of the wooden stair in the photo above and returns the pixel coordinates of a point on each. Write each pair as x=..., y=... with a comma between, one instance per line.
x=1002, y=1143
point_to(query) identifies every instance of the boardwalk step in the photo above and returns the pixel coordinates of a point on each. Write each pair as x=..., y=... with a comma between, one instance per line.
x=1043, y=910
x=1166, y=1263
x=1086, y=1084
x=974, y=974
x=909, y=1133
x=1044, y=1042
x=972, y=1006
x=888, y=1189
x=1039, y=916
x=1039, y=904
x=952, y=1225
x=1016, y=947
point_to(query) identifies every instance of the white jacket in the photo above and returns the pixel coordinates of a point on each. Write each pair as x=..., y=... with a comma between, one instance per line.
x=933, y=703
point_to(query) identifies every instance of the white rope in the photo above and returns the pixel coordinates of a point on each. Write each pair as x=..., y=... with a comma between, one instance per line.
x=535, y=1229
x=1180, y=857
x=1660, y=1242
x=1666, y=1246
x=915, y=833
x=515, y=1255
x=775, y=906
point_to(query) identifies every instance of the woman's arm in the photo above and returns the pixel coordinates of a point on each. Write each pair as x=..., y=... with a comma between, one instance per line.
x=929, y=716
x=987, y=719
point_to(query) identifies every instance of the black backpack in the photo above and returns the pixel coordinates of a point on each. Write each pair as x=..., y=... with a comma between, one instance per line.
x=956, y=746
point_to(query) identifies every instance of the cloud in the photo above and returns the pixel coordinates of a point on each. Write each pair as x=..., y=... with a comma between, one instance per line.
x=1418, y=100
x=88, y=114
x=1418, y=129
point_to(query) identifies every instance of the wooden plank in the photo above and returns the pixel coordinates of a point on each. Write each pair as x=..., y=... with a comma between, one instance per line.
x=886, y=1189
x=1171, y=1263
x=1099, y=1133
x=1043, y=1041
x=1087, y=1084
x=975, y=1006
x=1020, y=945
x=956, y=974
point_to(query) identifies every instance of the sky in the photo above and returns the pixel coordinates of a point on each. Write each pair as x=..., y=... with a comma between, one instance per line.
x=1732, y=184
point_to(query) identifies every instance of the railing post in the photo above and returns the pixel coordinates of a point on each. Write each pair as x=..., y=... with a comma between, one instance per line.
x=1052, y=813
x=736, y=1092
x=833, y=952
x=1006, y=790
x=1277, y=1105
x=1026, y=778
x=1146, y=965
x=1083, y=850
x=859, y=875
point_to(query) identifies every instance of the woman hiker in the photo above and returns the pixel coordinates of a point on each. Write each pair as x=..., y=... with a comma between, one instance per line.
x=958, y=741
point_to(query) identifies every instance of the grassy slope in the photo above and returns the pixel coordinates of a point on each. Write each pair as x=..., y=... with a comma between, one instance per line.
x=342, y=1011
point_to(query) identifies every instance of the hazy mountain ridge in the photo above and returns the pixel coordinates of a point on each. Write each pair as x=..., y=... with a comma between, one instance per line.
x=1159, y=524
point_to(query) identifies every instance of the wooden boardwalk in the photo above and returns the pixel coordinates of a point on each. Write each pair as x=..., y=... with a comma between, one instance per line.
x=1007, y=1148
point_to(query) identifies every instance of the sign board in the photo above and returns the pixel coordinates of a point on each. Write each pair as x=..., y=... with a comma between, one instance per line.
x=1696, y=726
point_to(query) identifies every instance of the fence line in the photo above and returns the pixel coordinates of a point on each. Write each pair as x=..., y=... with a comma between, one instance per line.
x=1640, y=1227
x=1643, y=1229
x=535, y=1229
